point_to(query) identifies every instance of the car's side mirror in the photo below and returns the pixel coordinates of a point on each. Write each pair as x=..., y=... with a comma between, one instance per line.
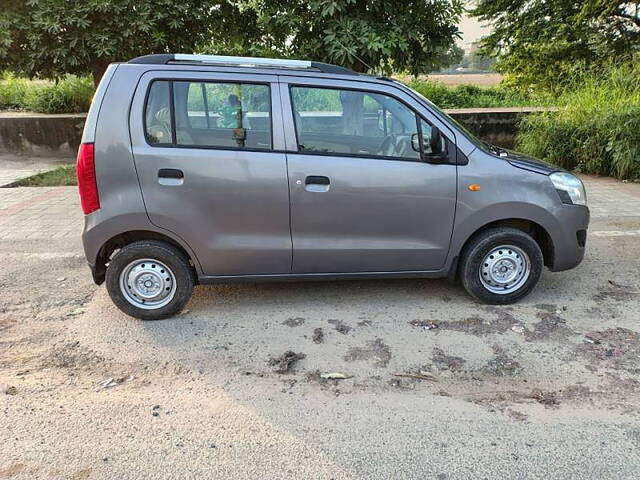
x=415, y=142
x=436, y=153
x=435, y=142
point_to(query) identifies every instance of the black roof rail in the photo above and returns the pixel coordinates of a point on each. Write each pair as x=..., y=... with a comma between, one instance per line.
x=154, y=59
x=177, y=58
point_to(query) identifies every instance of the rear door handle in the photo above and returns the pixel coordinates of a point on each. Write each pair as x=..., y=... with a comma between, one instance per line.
x=316, y=183
x=170, y=176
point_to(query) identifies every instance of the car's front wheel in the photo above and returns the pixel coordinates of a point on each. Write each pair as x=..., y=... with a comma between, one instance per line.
x=149, y=280
x=501, y=265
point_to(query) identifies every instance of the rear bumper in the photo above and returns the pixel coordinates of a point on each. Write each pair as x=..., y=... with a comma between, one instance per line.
x=569, y=238
x=98, y=273
x=91, y=248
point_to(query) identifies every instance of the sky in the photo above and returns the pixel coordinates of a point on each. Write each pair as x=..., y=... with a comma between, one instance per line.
x=471, y=30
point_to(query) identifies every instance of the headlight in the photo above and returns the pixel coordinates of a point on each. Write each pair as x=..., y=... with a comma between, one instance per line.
x=569, y=187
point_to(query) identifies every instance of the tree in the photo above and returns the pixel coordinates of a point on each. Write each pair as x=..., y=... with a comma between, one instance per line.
x=365, y=35
x=479, y=62
x=540, y=41
x=49, y=38
x=453, y=56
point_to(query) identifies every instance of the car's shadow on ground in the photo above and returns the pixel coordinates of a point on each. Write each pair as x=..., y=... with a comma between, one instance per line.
x=339, y=293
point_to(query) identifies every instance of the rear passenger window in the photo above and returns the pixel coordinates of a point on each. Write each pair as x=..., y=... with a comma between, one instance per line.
x=354, y=122
x=232, y=115
x=209, y=114
x=158, y=125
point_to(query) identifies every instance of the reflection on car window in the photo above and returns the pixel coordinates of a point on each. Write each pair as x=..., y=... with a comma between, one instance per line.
x=353, y=122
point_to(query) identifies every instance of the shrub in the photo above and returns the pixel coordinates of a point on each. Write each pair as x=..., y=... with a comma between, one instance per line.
x=13, y=91
x=70, y=94
x=64, y=175
x=597, y=128
x=471, y=96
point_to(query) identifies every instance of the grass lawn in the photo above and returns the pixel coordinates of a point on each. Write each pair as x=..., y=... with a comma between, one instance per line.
x=64, y=175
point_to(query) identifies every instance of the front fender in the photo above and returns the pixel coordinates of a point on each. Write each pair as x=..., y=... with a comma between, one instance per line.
x=467, y=225
x=510, y=193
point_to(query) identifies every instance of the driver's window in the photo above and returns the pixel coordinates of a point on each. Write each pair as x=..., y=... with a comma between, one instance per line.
x=340, y=121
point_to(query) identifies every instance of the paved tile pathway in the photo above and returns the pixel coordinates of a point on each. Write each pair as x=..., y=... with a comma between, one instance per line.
x=39, y=213
x=608, y=197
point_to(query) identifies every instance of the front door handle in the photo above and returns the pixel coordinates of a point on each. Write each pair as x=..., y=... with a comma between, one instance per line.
x=170, y=176
x=170, y=173
x=317, y=180
x=316, y=183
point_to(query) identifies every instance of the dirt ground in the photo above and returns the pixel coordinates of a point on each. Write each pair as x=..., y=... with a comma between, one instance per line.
x=437, y=386
x=479, y=79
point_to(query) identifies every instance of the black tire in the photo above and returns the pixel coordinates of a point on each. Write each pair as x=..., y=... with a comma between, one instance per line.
x=482, y=245
x=168, y=255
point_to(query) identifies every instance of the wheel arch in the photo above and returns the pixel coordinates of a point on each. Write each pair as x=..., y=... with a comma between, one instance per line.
x=539, y=233
x=116, y=242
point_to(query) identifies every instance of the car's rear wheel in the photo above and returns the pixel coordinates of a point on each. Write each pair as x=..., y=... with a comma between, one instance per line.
x=150, y=280
x=501, y=265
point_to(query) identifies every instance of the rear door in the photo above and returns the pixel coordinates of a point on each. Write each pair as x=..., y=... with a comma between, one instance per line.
x=208, y=150
x=362, y=199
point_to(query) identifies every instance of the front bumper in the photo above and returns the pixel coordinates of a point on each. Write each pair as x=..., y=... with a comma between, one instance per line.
x=569, y=237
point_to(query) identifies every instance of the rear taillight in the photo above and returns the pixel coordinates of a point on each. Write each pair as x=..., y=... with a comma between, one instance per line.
x=86, y=172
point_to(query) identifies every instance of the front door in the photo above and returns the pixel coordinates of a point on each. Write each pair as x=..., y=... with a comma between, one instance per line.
x=211, y=169
x=362, y=199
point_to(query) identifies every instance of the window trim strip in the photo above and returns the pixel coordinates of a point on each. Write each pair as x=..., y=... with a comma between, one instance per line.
x=172, y=112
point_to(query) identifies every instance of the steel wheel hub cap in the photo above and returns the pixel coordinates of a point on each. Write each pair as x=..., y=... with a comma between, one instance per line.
x=504, y=269
x=148, y=284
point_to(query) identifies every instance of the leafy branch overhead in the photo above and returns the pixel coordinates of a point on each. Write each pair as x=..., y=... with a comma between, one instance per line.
x=542, y=41
x=415, y=36
x=49, y=38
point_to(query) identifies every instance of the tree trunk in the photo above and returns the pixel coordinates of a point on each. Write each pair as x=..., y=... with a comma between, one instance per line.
x=352, y=112
x=358, y=66
x=97, y=70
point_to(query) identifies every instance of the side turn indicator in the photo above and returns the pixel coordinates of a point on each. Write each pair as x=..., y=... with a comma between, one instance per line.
x=474, y=187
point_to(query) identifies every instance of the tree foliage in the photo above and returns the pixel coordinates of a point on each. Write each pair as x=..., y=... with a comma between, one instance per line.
x=542, y=41
x=49, y=38
x=379, y=35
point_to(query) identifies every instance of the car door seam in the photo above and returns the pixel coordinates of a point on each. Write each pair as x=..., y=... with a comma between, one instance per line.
x=286, y=164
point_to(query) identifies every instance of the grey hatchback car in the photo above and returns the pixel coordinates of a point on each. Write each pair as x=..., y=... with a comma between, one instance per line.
x=198, y=169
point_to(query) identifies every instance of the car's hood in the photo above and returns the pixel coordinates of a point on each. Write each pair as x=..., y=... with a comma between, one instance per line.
x=529, y=163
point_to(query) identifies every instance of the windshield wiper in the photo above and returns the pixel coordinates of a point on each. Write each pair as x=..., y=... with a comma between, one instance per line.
x=501, y=152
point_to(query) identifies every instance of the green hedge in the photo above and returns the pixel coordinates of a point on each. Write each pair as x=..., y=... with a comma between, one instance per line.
x=596, y=130
x=73, y=94
x=70, y=94
x=472, y=96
